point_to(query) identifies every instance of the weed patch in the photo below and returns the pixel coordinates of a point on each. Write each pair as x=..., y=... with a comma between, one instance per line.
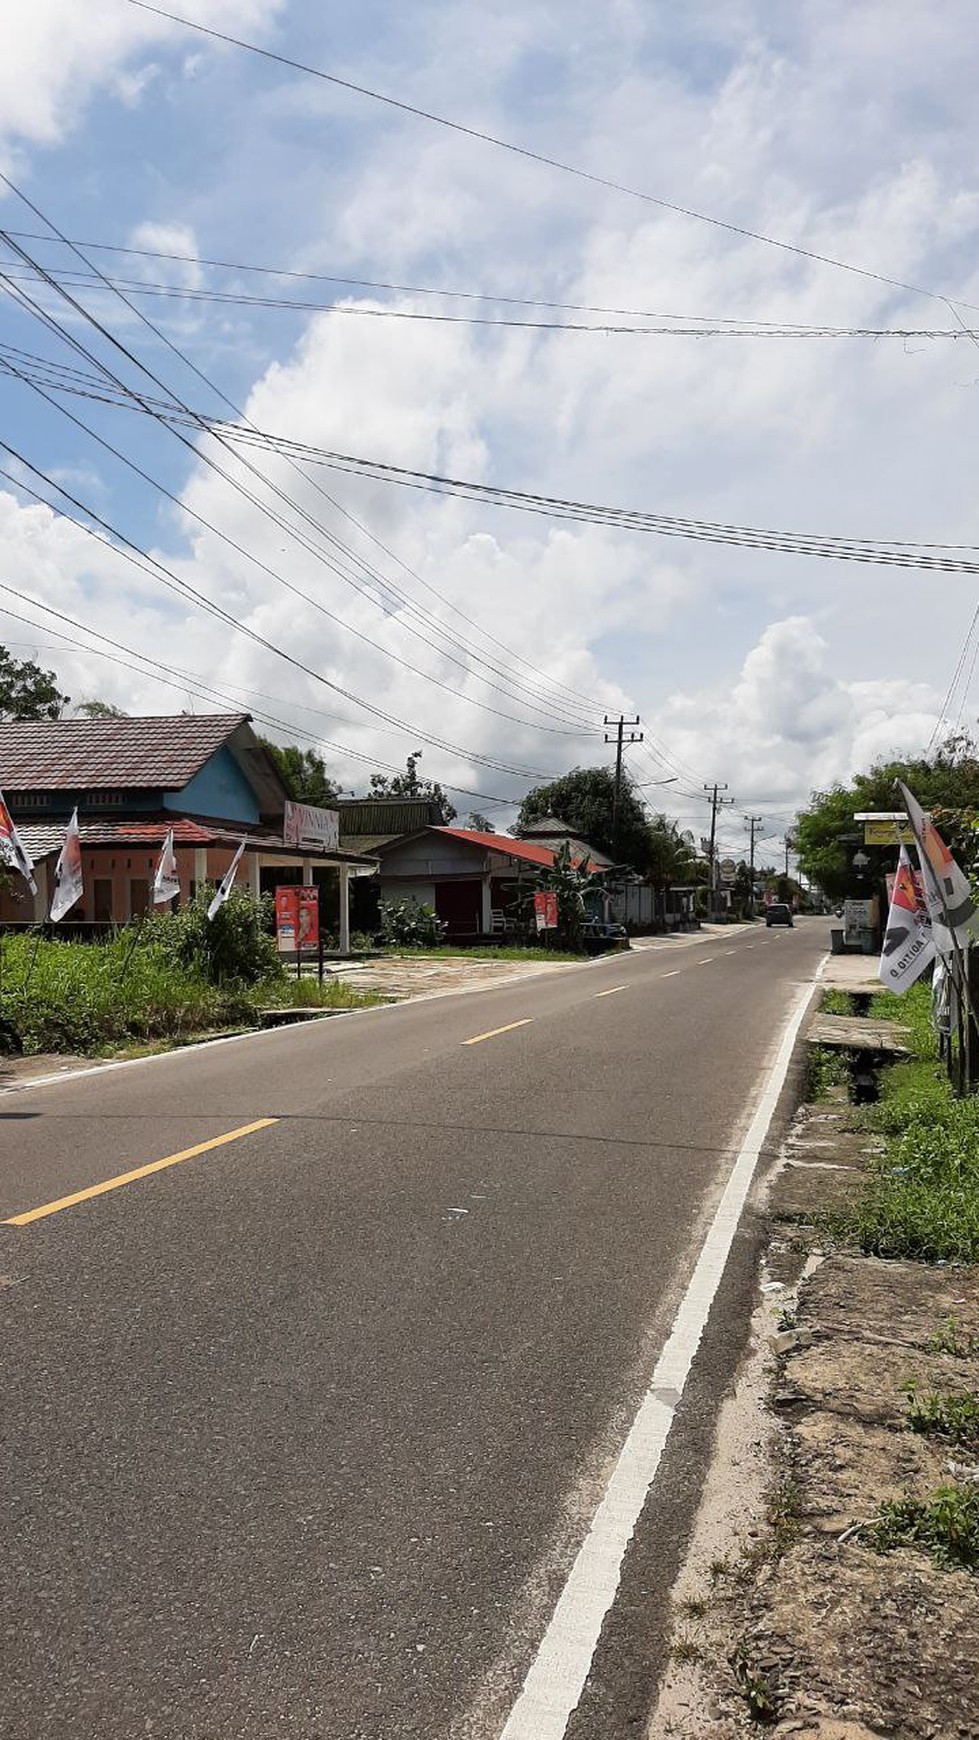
x=946, y=1525
x=951, y=1415
x=825, y=1069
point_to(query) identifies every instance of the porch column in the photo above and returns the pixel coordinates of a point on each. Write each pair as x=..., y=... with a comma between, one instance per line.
x=307, y=871
x=254, y=875
x=486, y=923
x=345, y=909
x=200, y=866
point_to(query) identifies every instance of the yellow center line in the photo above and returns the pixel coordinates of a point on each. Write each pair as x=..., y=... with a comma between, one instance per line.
x=612, y=991
x=494, y=1031
x=116, y=1183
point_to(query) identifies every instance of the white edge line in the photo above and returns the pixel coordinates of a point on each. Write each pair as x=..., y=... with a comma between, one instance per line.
x=560, y=1668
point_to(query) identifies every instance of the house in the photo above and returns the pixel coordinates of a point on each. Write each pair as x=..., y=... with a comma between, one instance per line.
x=550, y=831
x=206, y=776
x=476, y=882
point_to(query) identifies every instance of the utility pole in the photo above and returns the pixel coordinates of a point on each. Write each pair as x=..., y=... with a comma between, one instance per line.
x=619, y=739
x=754, y=822
x=716, y=801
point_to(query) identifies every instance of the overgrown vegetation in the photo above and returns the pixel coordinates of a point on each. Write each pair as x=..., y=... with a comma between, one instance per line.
x=825, y=1069
x=922, y=1196
x=173, y=977
x=946, y=1525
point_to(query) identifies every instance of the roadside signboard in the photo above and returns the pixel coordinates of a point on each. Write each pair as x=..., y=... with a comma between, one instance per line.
x=305, y=825
x=545, y=909
x=297, y=918
x=729, y=870
x=887, y=833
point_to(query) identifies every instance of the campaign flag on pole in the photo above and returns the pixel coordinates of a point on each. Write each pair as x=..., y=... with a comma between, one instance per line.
x=948, y=896
x=67, y=873
x=166, y=882
x=227, y=883
x=12, y=849
x=908, y=942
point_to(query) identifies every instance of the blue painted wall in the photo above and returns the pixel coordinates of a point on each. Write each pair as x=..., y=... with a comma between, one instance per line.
x=220, y=792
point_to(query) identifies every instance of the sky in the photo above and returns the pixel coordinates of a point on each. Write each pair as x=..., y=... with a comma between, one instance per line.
x=373, y=618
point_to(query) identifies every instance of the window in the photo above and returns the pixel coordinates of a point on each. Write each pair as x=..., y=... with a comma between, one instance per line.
x=103, y=899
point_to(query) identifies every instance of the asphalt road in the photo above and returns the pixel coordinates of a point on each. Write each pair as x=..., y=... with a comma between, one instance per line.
x=301, y=1434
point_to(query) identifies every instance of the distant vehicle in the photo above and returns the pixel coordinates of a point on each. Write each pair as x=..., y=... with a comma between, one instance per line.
x=778, y=914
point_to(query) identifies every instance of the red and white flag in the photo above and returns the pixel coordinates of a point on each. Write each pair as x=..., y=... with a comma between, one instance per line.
x=908, y=941
x=226, y=883
x=12, y=849
x=949, y=898
x=166, y=882
x=68, y=887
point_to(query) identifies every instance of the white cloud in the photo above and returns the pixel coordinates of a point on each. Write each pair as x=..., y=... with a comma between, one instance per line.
x=57, y=54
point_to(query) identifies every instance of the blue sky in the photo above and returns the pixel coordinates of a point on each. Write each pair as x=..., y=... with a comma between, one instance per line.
x=849, y=131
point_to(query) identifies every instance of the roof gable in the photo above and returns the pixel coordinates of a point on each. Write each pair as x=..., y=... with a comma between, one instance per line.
x=129, y=754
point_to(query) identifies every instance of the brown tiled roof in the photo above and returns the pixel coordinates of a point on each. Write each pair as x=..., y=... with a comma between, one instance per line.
x=73, y=754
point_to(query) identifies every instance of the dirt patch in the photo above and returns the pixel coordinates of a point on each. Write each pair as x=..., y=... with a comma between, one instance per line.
x=792, y=1623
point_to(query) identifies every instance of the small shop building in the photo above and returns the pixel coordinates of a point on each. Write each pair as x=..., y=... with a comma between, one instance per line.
x=206, y=776
x=477, y=883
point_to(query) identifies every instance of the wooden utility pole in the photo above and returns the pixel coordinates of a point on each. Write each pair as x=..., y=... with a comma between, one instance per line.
x=754, y=822
x=619, y=739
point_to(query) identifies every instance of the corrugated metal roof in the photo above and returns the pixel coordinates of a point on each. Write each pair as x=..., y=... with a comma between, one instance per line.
x=384, y=818
x=526, y=850
x=77, y=754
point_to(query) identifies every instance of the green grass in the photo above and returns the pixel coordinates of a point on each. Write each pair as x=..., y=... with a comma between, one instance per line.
x=922, y=1196
x=95, y=998
x=836, y=1003
x=951, y=1338
x=946, y=1526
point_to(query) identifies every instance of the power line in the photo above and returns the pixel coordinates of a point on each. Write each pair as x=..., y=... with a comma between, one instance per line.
x=248, y=555
x=556, y=705
x=680, y=326
x=740, y=230
x=218, y=430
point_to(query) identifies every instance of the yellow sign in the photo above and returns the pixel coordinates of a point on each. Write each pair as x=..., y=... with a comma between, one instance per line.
x=887, y=834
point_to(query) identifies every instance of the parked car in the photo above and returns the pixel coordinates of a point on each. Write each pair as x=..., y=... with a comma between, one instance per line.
x=779, y=913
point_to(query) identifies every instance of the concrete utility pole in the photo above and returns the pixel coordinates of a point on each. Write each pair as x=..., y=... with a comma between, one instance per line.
x=619, y=738
x=754, y=822
x=716, y=802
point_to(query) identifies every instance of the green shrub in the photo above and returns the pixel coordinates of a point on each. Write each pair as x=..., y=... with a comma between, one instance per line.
x=410, y=924
x=236, y=944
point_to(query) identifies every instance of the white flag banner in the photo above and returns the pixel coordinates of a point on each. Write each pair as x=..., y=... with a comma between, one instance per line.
x=12, y=849
x=227, y=883
x=166, y=882
x=908, y=941
x=68, y=886
x=951, y=907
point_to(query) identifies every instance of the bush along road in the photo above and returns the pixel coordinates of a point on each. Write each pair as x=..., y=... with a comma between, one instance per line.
x=846, y=1604
x=165, y=980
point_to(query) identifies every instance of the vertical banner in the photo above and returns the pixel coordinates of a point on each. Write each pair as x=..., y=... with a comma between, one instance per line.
x=309, y=917
x=545, y=909
x=286, y=919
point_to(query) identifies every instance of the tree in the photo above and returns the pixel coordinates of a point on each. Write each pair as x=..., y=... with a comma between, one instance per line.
x=27, y=692
x=585, y=801
x=477, y=824
x=96, y=709
x=408, y=785
x=946, y=783
x=304, y=775
x=671, y=854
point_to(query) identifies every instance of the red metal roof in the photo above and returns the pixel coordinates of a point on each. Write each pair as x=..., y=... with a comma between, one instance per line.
x=43, y=838
x=524, y=849
x=76, y=754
